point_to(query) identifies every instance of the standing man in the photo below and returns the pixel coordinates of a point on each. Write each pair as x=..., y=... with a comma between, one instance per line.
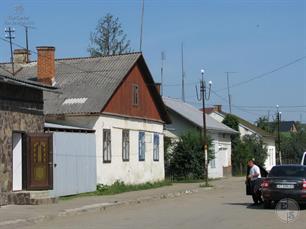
x=253, y=177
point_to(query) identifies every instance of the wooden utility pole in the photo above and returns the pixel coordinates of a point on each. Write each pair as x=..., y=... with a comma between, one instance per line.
x=11, y=36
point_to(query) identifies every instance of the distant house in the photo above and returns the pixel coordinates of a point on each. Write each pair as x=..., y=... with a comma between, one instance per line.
x=117, y=98
x=186, y=117
x=247, y=128
x=24, y=148
x=285, y=126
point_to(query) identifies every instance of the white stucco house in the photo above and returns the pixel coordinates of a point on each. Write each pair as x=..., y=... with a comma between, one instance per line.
x=247, y=128
x=186, y=117
x=116, y=97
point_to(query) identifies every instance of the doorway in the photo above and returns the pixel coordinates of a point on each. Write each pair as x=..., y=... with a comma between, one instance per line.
x=18, y=163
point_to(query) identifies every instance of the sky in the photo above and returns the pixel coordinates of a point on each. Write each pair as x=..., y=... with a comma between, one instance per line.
x=262, y=42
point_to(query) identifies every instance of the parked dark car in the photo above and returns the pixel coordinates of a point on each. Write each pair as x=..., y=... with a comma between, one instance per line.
x=285, y=181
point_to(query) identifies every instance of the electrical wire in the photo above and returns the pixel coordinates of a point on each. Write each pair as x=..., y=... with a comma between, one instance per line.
x=264, y=74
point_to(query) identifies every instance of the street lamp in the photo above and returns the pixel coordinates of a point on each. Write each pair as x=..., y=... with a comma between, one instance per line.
x=278, y=118
x=205, y=95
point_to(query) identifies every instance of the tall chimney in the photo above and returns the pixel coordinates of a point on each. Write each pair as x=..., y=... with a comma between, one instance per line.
x=218, y=108
x=157, y=85
x=21, y=56
x=45, y=64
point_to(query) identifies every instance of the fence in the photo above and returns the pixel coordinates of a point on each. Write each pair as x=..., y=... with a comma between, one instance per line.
x=74, y=159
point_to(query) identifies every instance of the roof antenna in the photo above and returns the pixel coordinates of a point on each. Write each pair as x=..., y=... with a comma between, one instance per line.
x=183, y=73
x=163, y=58
x=141, y=26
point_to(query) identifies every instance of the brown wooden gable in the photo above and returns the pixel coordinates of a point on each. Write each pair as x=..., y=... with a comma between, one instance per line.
x=121, y=103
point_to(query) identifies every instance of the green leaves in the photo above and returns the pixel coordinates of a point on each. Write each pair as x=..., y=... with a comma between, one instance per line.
x=187, y=156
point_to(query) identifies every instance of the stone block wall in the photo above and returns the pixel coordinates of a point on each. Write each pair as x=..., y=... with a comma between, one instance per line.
x=11, y=121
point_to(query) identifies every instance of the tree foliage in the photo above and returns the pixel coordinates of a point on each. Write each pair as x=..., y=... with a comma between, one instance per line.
x=293, y=145
x=231, y=121
x=264, y=124
x=108, y=38
x=187, y=156
x=249, y=147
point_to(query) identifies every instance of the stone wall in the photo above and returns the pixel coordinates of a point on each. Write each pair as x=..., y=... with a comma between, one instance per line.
x=13, y=121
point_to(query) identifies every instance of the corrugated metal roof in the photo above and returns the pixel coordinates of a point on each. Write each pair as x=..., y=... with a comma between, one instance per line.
x=195, y=116
x=93, y=78
x=28, y=83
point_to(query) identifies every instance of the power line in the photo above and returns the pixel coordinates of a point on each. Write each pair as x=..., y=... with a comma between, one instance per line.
x=224, y=99
x=264, y=74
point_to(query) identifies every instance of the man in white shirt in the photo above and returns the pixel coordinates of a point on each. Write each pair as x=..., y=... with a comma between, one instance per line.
x=253, y=176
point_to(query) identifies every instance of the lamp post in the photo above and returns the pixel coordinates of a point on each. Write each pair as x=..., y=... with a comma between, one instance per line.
x=278, y=117
x=205, y=95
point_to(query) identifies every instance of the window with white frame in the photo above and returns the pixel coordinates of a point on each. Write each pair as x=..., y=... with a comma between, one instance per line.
x=107, y=152
x=125, y=145
x=156, y=147
x=141, y=146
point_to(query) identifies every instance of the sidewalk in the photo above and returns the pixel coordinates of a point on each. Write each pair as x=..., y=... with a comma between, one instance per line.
x=12, y=215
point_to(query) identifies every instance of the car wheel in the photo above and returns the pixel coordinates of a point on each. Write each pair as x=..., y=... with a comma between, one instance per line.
x=267, y=204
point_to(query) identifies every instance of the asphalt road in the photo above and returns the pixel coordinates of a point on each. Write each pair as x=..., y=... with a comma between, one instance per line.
x=225, y=206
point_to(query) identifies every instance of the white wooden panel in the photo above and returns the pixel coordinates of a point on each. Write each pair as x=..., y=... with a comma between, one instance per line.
x=74, y=155
x=17, y=162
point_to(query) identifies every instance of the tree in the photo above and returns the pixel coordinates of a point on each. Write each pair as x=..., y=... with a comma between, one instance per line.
x=238, y=152
x=264, y=124
x=187, y=157
x=249, y=147
x=231, y=121
x=292, y=146
x=108, y=38
x=255, y=149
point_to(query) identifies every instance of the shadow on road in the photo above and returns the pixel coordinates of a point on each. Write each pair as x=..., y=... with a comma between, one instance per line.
x=247, y=205
x=258, y=207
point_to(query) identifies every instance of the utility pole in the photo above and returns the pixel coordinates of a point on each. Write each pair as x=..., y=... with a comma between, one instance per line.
x=205, y=95
x=278, y=116
x=183, y=73
x=9, y=35
x=27, y=43
x=141, y=26
x=228, y=92
x=163, y=58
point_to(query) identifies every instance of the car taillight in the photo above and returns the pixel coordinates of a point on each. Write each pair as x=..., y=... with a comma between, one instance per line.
x=265, y=184
x=304, y=184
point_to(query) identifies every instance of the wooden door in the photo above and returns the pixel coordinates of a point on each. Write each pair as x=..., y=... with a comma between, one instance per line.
x=39, y=162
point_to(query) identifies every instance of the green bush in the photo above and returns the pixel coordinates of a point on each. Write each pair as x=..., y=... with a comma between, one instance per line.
x=187, y=157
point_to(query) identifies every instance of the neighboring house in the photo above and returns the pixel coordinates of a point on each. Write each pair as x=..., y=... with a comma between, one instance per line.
x=185, y=117
x=247, y=128
x=284, y=126
x=115, y=96
x=24, y=148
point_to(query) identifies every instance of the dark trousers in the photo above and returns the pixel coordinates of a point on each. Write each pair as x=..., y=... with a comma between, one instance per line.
x=256, y=193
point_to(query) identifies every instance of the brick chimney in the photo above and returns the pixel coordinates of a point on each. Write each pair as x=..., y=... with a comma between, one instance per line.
x=21, y=56
x=45, y=64
x=218, y=108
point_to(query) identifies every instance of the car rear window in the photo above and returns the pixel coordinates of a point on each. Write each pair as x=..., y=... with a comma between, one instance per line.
x=288, y=171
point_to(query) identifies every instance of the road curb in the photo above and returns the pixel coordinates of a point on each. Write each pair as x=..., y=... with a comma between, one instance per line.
x=99, y=207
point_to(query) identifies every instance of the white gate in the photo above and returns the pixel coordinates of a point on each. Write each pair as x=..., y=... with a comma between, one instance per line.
x=74, y=160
